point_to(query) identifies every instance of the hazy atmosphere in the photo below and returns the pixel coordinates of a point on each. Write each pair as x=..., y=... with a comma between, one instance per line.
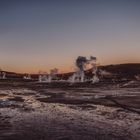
x=42, y=34
x=69, y=69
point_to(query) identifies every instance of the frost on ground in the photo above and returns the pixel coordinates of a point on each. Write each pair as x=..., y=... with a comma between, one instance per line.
x=39, y=112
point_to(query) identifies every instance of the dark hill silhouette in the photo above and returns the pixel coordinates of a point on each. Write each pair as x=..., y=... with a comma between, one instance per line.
x=129, y=70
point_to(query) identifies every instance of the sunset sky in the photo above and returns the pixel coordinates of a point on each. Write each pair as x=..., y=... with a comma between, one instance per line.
x=43, y=34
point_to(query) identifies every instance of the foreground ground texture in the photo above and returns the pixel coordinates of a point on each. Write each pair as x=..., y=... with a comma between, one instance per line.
x=34, y=111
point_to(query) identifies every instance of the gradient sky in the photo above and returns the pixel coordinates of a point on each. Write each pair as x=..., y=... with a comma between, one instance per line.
x=43, y=34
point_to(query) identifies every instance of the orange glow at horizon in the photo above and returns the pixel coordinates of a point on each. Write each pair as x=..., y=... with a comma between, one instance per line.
x=45, y=35
x=62, y=69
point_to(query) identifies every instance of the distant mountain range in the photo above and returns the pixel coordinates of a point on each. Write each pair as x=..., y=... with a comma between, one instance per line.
x=129, y=71
x=117, y=71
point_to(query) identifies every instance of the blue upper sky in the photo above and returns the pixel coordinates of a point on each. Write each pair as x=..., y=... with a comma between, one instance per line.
x=42, y=34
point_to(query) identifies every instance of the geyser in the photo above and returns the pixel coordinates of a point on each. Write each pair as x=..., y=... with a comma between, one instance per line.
x=82, y=63
x=2, y=75
x=45, y=77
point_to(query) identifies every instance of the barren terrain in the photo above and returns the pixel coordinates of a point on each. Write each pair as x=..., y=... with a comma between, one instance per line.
x=35, y=111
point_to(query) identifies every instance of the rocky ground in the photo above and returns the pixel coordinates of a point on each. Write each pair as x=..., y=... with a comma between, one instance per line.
x=33, y=111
